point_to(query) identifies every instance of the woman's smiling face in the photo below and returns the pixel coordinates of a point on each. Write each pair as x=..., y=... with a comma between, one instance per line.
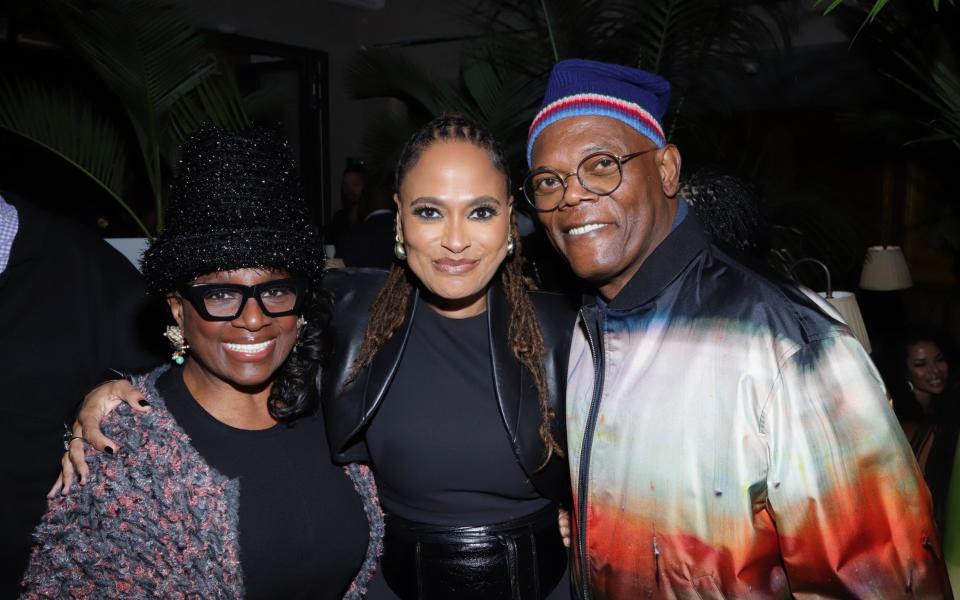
x=244, y=352
x=454, y=220
x=927, y=368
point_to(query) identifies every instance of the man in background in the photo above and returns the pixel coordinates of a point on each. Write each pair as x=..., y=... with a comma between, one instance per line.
x=71, y=309
x=351, y=188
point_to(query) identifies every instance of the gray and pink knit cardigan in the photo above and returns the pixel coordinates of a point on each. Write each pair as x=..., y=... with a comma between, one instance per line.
x=156, y=521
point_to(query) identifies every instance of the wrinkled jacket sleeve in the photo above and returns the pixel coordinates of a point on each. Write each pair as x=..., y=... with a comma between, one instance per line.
x=77, y=542
x=154, y=521
x=851, y=509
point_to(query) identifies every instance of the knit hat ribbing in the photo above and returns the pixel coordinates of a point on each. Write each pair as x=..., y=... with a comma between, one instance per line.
x=236, y=204
x=588, y=88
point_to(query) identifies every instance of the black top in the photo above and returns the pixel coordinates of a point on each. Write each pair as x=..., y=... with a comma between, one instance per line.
x=350, y=406
x=438, y=444
x=303, y=532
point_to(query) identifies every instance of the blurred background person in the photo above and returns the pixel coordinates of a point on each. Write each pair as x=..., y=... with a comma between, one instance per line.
x=73, y=311
x=729, y=209
x=352, y=184
x=370, y=242
x=916, y=370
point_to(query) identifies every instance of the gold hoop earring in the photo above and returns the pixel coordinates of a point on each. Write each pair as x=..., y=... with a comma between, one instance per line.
x=511, y=246
x=174, y=335
x=398, y=250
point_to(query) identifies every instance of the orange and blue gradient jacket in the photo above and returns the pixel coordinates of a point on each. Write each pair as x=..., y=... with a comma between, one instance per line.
x=729, y=438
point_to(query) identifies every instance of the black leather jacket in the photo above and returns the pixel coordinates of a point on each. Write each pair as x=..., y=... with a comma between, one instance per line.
x=348, y=411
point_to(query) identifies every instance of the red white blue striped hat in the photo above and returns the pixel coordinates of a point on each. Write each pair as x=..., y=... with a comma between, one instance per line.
x=588, y=88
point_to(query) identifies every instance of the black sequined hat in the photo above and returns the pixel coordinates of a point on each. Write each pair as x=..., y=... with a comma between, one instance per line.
x=236, y=204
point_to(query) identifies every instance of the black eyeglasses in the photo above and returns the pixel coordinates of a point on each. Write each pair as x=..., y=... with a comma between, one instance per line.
x=225, y=301
x=600, y=173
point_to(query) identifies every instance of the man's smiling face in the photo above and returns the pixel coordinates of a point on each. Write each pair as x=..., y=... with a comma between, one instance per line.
x=606, y=238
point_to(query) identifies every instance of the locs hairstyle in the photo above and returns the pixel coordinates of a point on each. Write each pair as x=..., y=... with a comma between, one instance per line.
x=389, y=308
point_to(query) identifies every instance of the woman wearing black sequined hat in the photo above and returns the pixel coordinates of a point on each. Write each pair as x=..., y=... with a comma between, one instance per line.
x=224, y=488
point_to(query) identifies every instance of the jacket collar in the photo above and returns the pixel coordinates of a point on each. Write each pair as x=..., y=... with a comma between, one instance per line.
x=384, y=365
x=669, y=259
x=507, y=371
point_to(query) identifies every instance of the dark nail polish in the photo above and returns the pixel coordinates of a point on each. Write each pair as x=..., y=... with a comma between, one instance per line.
x=108, y=450
x=144, y=403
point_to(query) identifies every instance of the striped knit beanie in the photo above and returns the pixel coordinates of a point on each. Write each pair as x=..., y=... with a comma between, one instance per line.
x=580, y=88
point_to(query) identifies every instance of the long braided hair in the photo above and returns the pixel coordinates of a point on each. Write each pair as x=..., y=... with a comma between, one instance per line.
x=389, y=308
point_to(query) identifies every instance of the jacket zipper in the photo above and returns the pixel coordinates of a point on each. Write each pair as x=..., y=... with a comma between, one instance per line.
x=585, y=447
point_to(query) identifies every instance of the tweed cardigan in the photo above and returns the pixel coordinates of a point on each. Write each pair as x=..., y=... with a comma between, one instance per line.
x=156, y=521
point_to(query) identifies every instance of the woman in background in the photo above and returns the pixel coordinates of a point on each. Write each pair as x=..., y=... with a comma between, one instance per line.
x=917, y=375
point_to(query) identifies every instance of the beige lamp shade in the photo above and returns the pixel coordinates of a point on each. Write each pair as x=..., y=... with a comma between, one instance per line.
x=846, y=304
x=885, y=269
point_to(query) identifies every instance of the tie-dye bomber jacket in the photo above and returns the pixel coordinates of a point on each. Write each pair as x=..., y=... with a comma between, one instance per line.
x=730, y=439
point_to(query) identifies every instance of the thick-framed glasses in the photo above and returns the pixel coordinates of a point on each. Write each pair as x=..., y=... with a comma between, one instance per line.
x=600, y=173
x=226, y=301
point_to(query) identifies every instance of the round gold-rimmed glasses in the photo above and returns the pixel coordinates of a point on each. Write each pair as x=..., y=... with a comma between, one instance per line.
x=600, y=173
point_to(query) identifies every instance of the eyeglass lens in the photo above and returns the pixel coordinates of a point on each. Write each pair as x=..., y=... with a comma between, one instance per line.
x=275, y=298
x=598, y=173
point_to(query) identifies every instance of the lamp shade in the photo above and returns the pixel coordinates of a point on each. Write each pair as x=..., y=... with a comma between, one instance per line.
x=885, y=269
x=846, y=304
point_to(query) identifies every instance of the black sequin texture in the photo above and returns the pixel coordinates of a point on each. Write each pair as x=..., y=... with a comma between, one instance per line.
x=236, y=204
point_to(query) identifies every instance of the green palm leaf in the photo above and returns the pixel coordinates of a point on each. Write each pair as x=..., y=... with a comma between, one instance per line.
x=215, y=101
x=504, y=100
x=148, y=53
x=67, y=126
x=150, y=56
x=383, y=74
x=874, y=12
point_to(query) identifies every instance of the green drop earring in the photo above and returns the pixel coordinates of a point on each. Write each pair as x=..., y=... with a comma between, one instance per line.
x=174, y=335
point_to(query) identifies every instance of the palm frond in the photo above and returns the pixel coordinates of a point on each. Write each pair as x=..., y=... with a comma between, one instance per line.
x=503, y=73
x=531, y=36
x=383, y=138
x=383, y=74
x=940, y=91
x=61, y=122
x=148, y=53
x=215, y=101
x=269, y=104
x=503, y=100
x=874, y=12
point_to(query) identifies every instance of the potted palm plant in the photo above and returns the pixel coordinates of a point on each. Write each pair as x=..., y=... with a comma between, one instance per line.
x=149, y=56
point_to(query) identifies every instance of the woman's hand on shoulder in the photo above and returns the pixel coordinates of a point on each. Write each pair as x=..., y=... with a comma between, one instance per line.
x=97, y=404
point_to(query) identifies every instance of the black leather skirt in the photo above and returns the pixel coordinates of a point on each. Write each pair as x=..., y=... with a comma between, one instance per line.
x=522, y=559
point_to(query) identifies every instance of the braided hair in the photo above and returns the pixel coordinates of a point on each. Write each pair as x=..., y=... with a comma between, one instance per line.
x=389, y=308
x=728, y=207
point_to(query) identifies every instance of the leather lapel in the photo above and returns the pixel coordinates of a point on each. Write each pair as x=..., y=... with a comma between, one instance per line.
x=383, y=366
x=507, y=371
